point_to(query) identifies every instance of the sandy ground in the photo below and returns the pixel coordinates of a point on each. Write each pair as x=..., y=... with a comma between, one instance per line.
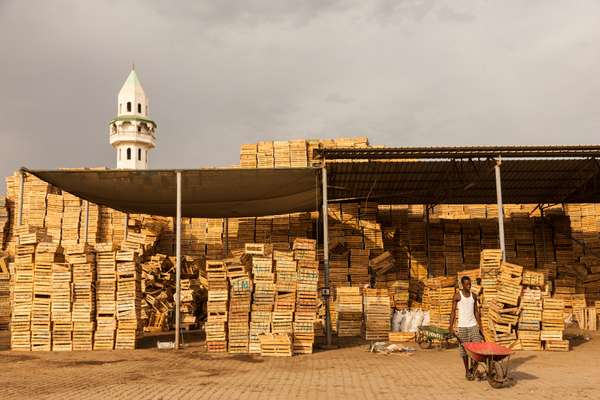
x=349, y=372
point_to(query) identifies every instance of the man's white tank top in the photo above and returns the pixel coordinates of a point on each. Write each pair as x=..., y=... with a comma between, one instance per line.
x=466, y=313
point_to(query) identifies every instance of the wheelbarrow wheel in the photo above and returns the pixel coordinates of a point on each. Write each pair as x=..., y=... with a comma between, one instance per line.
x=425, y=344
x=496, y=375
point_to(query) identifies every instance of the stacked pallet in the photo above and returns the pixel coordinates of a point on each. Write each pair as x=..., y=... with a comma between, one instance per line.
x=53, y=218
x=158, y=279
x=437, y=299
x=265, y=155
x=240, y=299
x=301, y=226
x=158, y=287
x=190, y=290
x=399, y=293
x=93, y=224
x=217, y=306
x=351, y=222
x=275, y=344
x=263, y=297
x=565, y=286
x=71, y=219
x=382, y=263
x=531, y=311
x=553, y=325
x=282, y=321
x=4, y=294
x=260, y=323
x=359, y=267
x=418, y=253
x=306, y=295
x=248, y=156
x=129, y=299
x=349, y=311
x=20, y=324
x=214, y=239
x=281, y=154
x=46, y=254
x=530, y=318
x=376, y=307
x=452, y=248
x=106, y=304
x=286, y=283
x=263, y=229
x=490, y=261
x=286, y=274
x=61, y=301
x=338, y=267
x=298, y=154
x=371, y=230
x=82, y=259
x=34, y=201
x=245, y=232
x=504, y=310
x=4, y=221
x=300, y=151
x=279, y=297
x=280, y=232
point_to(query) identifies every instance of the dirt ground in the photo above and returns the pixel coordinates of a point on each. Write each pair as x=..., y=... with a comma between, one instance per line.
x=349, y=372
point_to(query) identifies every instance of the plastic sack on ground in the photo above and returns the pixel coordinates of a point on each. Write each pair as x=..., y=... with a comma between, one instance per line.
x=405, y=325
x=417, y=320
x=397, y=320
x=426, y=319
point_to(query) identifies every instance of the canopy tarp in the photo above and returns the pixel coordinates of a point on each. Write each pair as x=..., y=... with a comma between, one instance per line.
x=207, y=193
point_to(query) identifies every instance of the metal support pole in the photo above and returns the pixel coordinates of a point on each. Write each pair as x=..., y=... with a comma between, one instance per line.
x=427, y=240
x=326, y=293
x=500, y=208
x=86, y=221
x=178, y=264
x=126, y=225
x=226, y=247
x=543, y=233
x=21, y=196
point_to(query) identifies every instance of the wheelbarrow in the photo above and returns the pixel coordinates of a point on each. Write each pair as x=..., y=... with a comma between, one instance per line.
x=428, y=334
x=490, y=360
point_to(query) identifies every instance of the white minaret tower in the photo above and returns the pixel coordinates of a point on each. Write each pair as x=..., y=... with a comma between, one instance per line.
x=132, y=133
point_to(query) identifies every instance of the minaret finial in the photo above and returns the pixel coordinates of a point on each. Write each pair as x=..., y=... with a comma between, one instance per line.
x=133, y=65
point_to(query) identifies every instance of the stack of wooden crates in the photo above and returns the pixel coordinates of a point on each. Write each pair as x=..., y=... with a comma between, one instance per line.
x=265, y=299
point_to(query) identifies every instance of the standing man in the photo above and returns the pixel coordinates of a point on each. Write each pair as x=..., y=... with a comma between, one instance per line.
x=469, y=320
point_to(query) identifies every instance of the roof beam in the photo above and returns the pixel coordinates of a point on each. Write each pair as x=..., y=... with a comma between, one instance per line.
x=475, y=152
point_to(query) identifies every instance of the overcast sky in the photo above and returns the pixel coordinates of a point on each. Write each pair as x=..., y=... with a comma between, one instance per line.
x=221, y=73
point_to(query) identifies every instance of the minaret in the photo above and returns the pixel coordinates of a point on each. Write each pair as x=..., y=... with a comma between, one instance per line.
x=132, y=133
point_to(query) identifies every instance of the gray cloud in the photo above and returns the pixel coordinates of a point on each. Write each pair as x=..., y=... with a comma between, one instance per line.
x=218, y=74
x=448, y=14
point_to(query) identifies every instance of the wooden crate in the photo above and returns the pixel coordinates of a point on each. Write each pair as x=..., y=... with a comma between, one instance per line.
x=275, y=345
x=532, y=278
x=376, y=306
x=255, y=249
x=216, y=346
x=402, y=336
x=557, y=345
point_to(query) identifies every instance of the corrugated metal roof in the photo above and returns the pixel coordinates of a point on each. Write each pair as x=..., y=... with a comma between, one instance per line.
x=465, y=181
x=464, y=152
